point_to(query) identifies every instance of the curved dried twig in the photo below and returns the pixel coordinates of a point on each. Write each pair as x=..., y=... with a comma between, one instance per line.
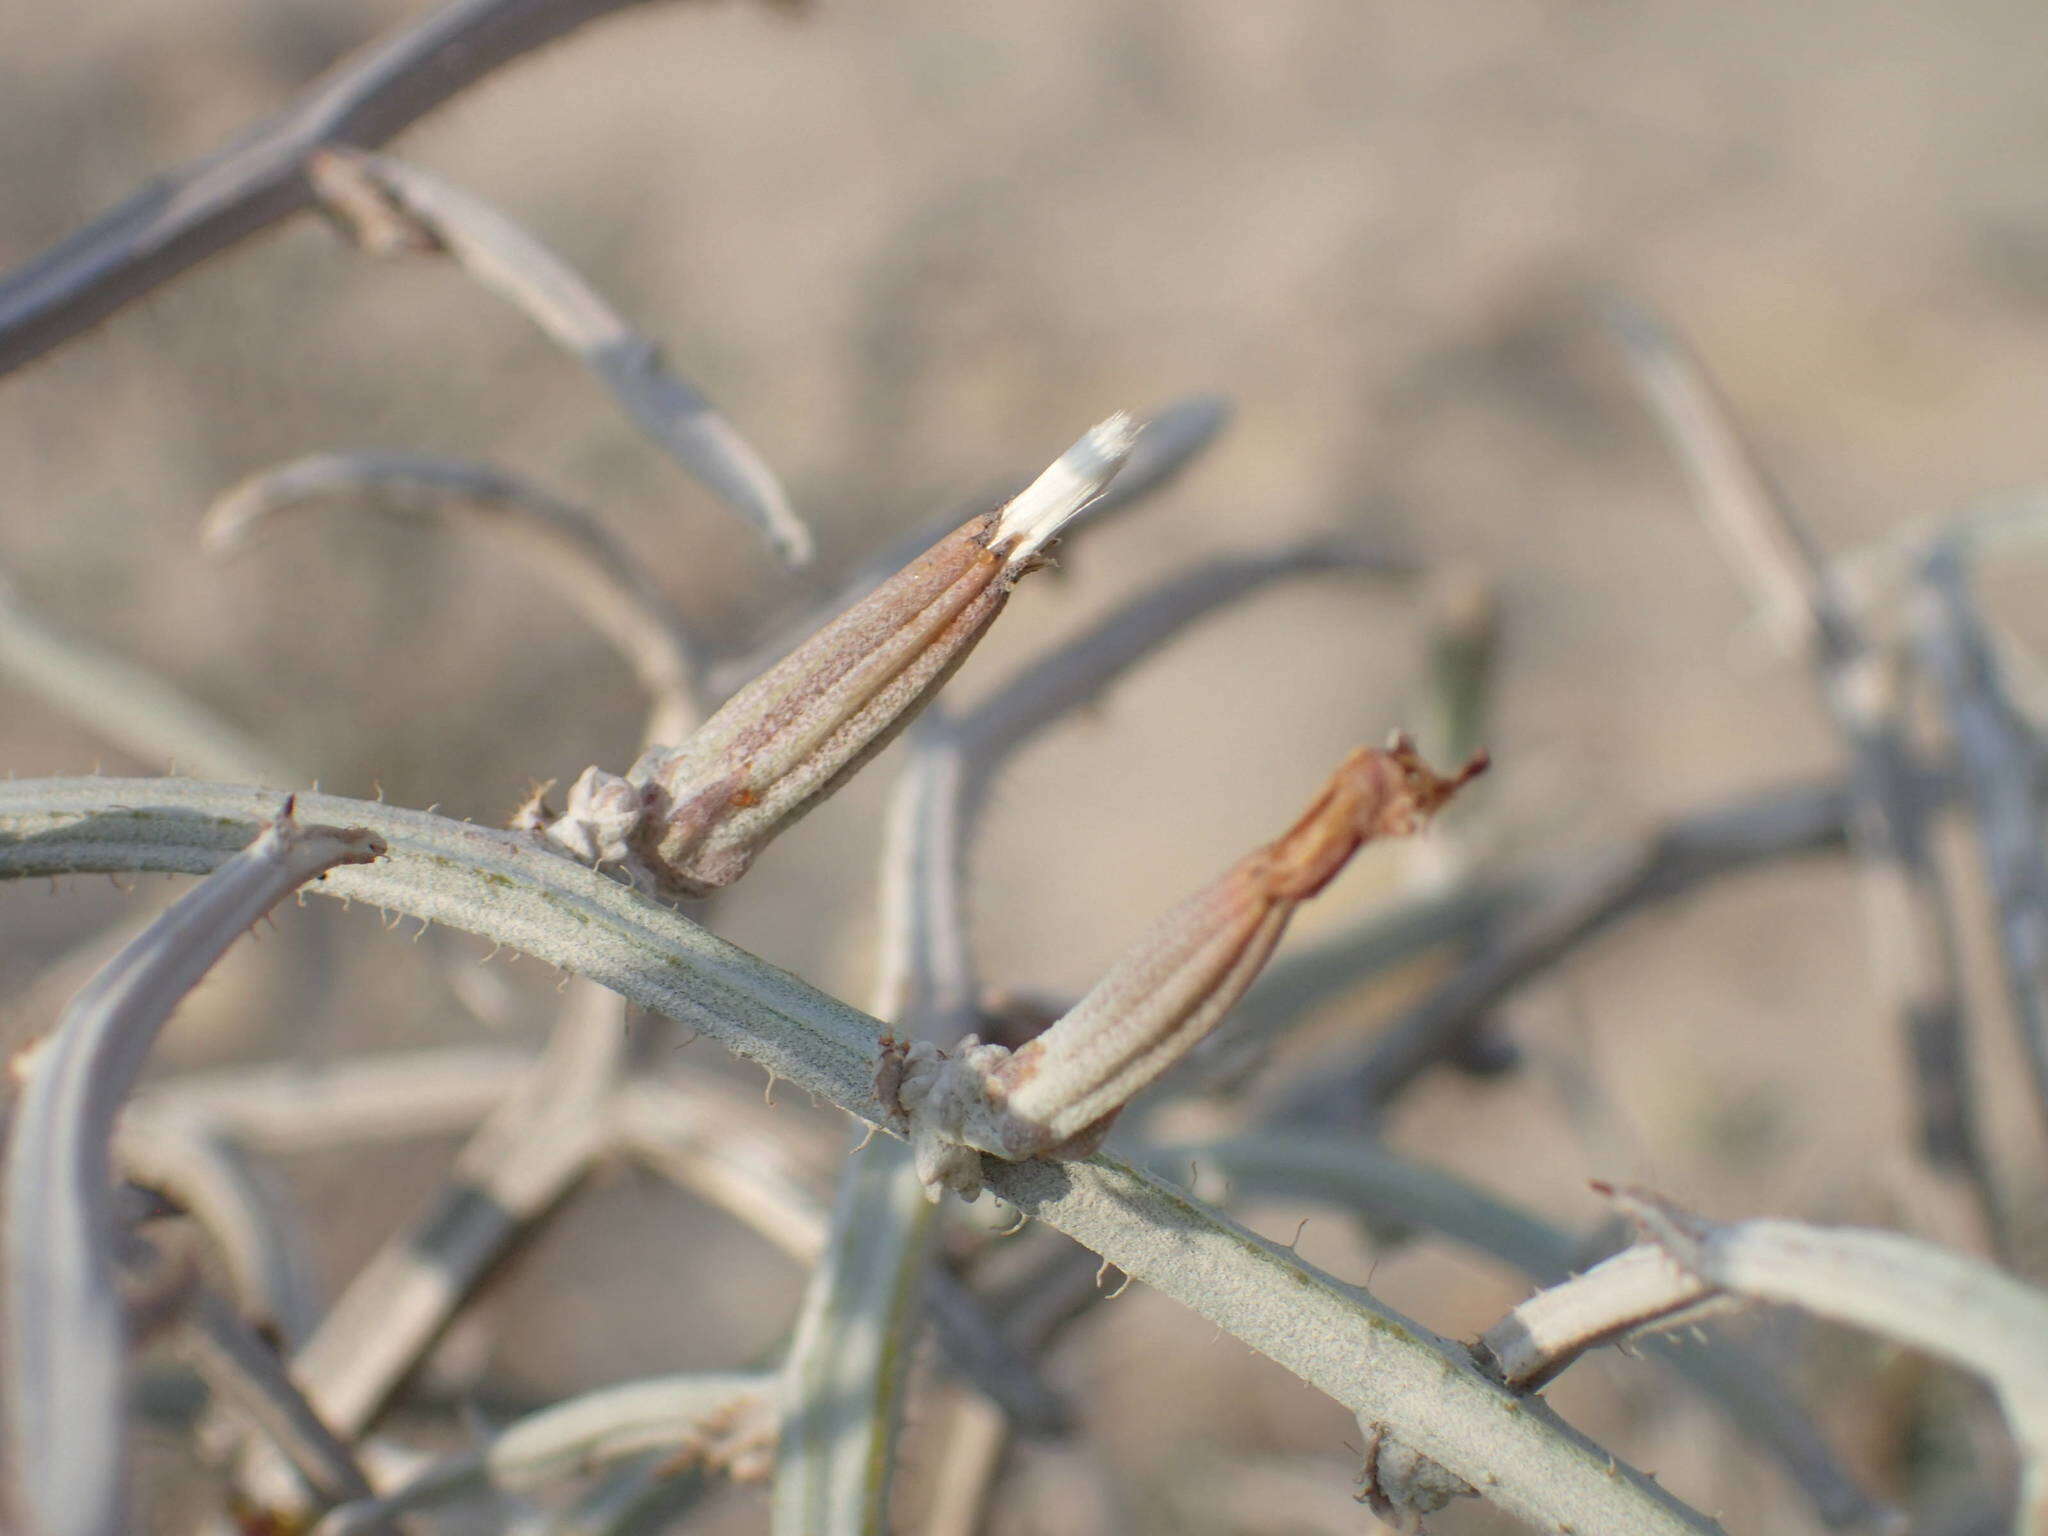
x=722, y=1420
x=66, y=1358
x=569, y=547
x=204, y=207
x=242, y=1367
x=378, y=190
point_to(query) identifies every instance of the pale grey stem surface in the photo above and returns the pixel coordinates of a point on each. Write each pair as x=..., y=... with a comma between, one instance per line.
x=509, y=889
x=2000, y=758
x=928, y=981
x=517, y=1165
x=712, y=1414
x=212, y=203
x=849, y=1363
x=1636, y=1288
x=1766, y=547
x=642, y=1498
x=127, y=705
x=1913, y=930
x=1341, y=1340
x=571, y=549
x=208, y=1176
x=843, y=1384
x=236, y=1363
x=289, y=1108
x=1958, y=1308
x=1464, y=663
x=700, y=1141
x=519, y=269
x=1993, y=525
x=66, y=1368
x=727, y=1420
x=1362, y=1177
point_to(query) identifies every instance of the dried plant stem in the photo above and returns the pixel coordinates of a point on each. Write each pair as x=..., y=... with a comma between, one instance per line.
x=844, y=1381
x=1339, y=1339
x=126, y=704
x=234, y=1361
x=207, y=1176
x=1167, y=442
x=376, y=192
x=503, y=886
x=1958, y=1308
x=843, y=1385
x=1363, y=1178
x=1914, y=940
x=517, y=1165
x=286, y=1109
x=204, y=207
x=66, y=1366
x=716, y=1418
x=1547, y=914
x=1637, y=1288
x=2000, y=760
x=566, y=544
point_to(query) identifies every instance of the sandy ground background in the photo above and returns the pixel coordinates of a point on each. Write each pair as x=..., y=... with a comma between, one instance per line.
x=913, y=248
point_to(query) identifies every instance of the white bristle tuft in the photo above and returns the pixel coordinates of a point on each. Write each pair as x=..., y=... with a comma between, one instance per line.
x=1080, y=475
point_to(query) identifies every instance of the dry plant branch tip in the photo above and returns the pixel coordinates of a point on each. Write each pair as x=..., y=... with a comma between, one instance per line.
x=688, y=820
x=1057, y=1094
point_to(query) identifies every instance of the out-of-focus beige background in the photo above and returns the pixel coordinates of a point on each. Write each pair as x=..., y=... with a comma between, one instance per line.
x=913, y=248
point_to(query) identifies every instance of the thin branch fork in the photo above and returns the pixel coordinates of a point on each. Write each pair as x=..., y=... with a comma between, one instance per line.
x=1958, y=1308
x=1356, y=1175
x=213, y=203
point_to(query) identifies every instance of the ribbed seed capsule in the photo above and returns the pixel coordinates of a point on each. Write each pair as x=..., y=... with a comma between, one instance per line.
x=1059, y=1092
x=690, y=819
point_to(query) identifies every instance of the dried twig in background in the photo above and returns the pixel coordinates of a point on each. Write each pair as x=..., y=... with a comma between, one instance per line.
x=1914, y=944
x=373, y=192
x=211, y=204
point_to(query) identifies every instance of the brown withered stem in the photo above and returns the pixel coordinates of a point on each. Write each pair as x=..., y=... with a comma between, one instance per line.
x=688, y=820
x=1057, y=1094
x=768, y=755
